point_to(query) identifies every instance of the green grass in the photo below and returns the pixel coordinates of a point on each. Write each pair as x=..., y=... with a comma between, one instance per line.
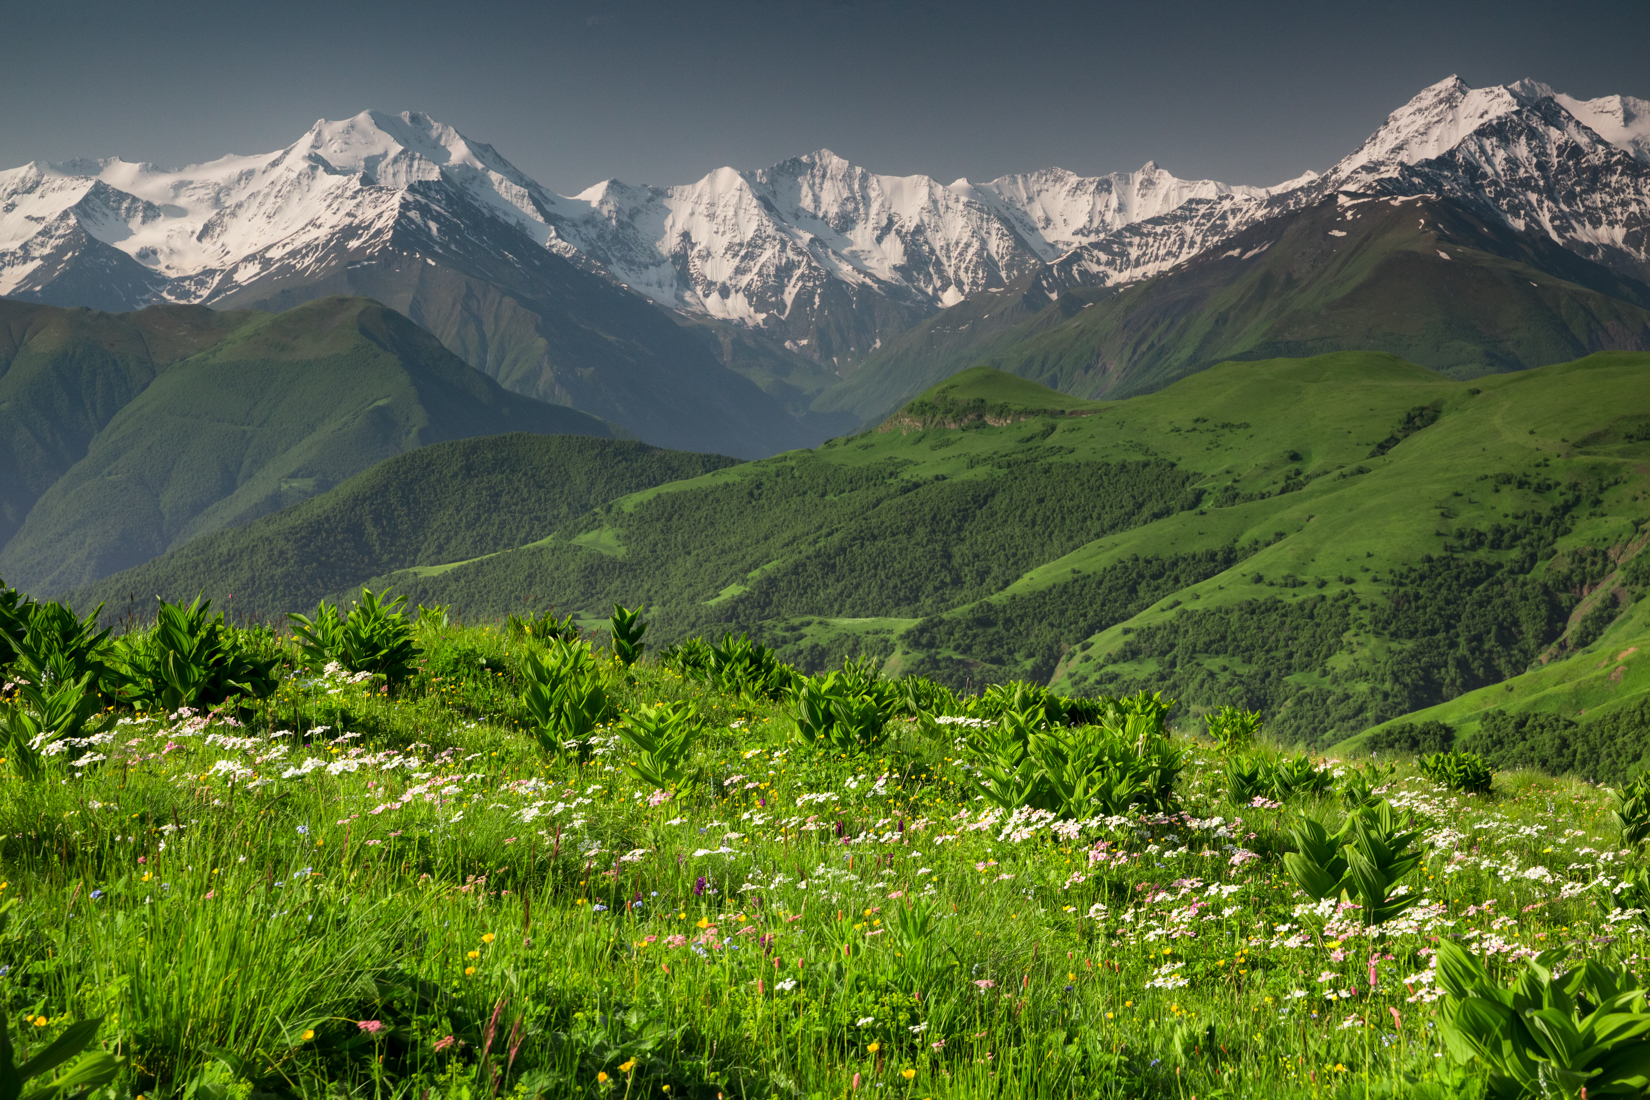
x=336, y=896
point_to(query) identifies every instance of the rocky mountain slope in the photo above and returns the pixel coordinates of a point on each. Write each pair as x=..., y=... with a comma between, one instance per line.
x=1423, y=277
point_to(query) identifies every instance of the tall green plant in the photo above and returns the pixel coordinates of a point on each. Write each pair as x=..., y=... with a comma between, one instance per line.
x=1246, y=779
x=919, y=695
x=1006, y=774
x=320, y=639
x=20, y=742
x=566, y=698
x=1022, y=761
x=52, y=646
x=1019, y=697
x=81, y=1071
x=1366, y=861
x=627, y=628
x=1458, y=771
x=829, y=715
x=917, y=936
x=189, y=659
x=376, y=637
x=741, y=666
x=14, y=617
x=1581, y=1034
x=543, y=628
x=1233, y=729
x=62, y=710
x=1359, y=784
x=1630, y=809
x=1299, y=777
x=660, y=739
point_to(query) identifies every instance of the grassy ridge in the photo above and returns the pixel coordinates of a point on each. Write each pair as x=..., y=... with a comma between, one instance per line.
x=243, y=414
x=65, y=373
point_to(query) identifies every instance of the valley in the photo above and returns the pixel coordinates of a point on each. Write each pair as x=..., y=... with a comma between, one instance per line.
x=1336, y=541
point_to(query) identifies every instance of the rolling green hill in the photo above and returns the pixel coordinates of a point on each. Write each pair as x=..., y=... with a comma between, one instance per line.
x=1421, y=278
x=125, y=435
x=1338, y=540
x=443, y=503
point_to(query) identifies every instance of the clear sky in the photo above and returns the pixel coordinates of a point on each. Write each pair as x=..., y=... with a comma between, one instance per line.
x=663, y=92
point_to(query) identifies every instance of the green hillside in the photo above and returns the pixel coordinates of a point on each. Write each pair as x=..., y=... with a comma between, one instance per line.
x=1420, y=278
x=444, y=503
x=1583, y=708
x=127, y=435
x=956, y=338
x=1336, y=541
x=985, y=396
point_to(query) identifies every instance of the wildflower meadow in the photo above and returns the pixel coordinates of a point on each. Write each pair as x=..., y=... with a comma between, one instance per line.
x=389, y=855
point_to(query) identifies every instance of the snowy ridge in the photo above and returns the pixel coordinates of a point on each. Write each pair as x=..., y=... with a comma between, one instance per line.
x=1520, y=153
x=816, y=252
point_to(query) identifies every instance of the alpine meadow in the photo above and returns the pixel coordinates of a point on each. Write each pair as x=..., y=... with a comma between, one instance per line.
x=808, y=634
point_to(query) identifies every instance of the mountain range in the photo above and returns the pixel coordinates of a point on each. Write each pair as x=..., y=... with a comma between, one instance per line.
x=756, y=310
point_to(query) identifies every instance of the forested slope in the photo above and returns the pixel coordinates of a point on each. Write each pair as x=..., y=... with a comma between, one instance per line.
x=1337, y=541
x=439, y=504
x=125, y=435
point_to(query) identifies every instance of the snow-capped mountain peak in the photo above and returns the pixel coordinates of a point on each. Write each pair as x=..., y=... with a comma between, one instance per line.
x=1432, y=123
x=1439, y=118
x=1619, y=119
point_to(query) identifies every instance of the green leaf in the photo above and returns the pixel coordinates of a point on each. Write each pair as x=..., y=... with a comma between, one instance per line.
x=1459, y=974
x=90, y=1072
x=73, y=1040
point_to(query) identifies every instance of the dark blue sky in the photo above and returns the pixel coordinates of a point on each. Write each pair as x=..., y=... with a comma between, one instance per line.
x=653, y=92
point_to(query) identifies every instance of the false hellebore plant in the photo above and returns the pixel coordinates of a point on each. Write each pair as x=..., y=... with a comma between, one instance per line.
x=1366, y=861
x=1581, y=1034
